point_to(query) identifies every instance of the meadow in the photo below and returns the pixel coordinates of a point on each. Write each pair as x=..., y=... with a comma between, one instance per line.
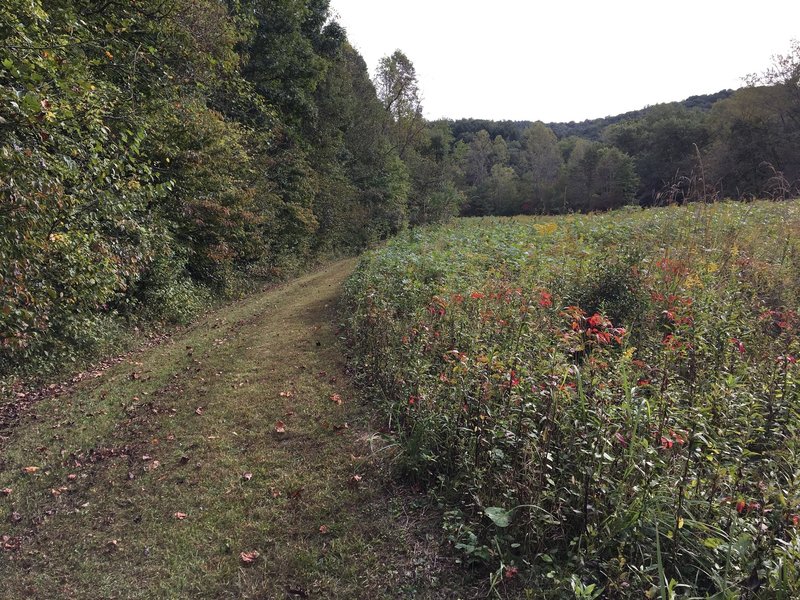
x=605, y=405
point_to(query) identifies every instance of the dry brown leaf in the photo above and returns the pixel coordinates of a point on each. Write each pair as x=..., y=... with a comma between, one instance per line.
x=30, y=470
x=248, y=558
x=180, y=516
x=199, y=410
x=287, y=394
x=11, y=543
x=336, y=399
x=323, y=529
x=280, y=426
x=72, y=476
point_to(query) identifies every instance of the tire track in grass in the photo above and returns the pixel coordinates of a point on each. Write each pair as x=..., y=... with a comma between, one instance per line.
x=232, y=461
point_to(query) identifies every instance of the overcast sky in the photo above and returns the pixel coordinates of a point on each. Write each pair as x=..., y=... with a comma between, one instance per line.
x=569, y=60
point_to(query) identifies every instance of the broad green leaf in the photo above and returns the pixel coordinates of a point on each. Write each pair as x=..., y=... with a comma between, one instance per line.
x=499, y=516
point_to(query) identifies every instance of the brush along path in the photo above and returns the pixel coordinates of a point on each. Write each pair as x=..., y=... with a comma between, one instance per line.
x=231, y=461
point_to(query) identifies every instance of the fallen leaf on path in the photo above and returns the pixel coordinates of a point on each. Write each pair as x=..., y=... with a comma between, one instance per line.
x=11, y=543
x=180, y=516
x=249, y=558
x=30, y=470
x=336, y=399
x=280, y=426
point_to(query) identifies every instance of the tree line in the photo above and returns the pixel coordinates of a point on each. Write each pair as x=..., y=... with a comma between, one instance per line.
x=742, y=144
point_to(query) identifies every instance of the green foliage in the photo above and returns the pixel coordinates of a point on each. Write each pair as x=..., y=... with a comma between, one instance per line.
x=168, y=294
x=540, y=175
x=609, y=403
x=151, y=153
x=75, y=186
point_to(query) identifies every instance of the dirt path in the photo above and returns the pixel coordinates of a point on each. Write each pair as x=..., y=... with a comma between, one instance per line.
x=241, y=435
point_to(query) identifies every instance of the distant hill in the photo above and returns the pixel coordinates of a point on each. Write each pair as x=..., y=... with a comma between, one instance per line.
x=589, y=129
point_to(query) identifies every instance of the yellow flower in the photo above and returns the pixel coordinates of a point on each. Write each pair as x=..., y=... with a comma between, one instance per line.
x=546, y=228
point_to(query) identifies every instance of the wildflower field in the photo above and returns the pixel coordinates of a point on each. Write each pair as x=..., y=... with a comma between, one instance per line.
x=605, y=405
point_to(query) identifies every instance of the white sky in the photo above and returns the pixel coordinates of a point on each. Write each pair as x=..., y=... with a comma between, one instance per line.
x=569, y=59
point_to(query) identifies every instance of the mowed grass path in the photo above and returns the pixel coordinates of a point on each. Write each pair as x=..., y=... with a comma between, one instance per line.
x=150, y=479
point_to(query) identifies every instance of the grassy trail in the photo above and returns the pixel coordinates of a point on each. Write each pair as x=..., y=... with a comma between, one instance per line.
x=149, y=479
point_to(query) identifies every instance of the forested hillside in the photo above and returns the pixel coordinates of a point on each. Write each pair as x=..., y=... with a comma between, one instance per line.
x=464, y=129
x=742, y=144
x=155, y=154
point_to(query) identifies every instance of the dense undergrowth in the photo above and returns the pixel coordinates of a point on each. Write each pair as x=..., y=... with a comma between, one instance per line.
x=606, y=404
